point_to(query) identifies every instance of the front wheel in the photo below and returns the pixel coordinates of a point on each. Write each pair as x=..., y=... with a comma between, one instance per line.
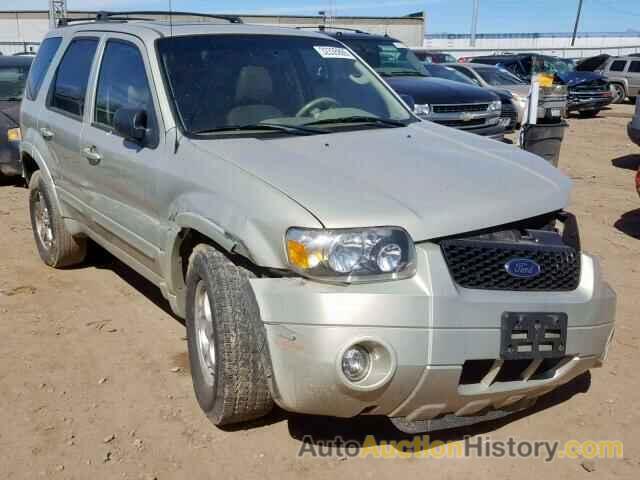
x=589, y=113
x=618, y=93
x=56, y=246
x=227, y=342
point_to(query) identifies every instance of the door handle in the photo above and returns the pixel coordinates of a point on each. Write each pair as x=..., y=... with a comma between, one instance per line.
x=46, y=133
x=92, y=155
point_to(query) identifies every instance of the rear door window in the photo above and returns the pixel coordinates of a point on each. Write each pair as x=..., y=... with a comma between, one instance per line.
x=634, y=67
x=40, y=65
x=70, y=85
x=618, y=66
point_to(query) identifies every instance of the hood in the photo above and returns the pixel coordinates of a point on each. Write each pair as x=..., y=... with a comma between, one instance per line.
x=438, y=90
x=434, y=181
x=10, y=112
x=577, y=78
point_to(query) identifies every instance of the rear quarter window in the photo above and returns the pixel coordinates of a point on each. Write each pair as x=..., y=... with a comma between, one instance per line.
x=634, y=67
x=41, y=65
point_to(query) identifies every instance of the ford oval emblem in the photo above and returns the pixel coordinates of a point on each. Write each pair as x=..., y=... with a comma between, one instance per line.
x=522, y=268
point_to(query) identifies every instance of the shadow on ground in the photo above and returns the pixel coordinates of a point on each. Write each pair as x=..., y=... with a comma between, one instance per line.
x=629, y=223
x=318, y=430
x=627, y=162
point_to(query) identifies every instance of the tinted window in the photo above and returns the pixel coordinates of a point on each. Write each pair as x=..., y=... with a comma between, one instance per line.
x=634, y=67
x=41, y=65
x=618, y=66
x=115, y=90
x=70, y=84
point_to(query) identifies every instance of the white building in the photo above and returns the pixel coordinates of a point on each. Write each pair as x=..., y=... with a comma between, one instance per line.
x=26, y=28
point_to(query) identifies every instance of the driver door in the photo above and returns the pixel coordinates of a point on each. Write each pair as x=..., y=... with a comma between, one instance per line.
x=122, y=170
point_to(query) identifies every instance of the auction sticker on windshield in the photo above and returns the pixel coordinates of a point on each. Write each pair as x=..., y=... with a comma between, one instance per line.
x=334, y=52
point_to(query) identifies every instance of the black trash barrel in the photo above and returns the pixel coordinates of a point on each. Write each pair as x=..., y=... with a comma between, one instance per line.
x=544, y=140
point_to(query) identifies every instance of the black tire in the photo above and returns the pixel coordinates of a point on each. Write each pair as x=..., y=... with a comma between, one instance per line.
x=63, y=249
x=236, y=388
x=589, y=113
x=619, y=93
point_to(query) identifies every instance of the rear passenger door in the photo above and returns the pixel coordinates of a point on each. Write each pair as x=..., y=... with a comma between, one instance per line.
x=121, y=171
x=62, y=119
x=633, y=74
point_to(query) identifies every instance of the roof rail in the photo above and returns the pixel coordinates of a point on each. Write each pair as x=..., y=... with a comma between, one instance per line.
x=103, y=16
x=322, y=28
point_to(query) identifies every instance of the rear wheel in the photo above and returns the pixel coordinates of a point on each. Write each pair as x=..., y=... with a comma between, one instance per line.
x=56, y=246
x=227, y=342
x=618, y=93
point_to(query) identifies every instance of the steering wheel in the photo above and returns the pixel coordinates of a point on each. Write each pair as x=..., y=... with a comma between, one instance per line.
x=306, y=111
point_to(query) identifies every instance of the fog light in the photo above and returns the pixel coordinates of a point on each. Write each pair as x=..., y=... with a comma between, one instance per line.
x=356, y=363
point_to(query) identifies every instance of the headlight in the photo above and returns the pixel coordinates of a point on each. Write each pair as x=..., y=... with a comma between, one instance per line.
x=495, y=106
x=14, y=135
x=422, y=110
x=351, y=255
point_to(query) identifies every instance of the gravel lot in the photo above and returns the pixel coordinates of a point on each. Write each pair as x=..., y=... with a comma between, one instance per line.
x=94, y=380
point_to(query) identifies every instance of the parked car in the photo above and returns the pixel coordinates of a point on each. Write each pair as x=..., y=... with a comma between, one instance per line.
x=330, y=251
x=624, y=75
x=429, y=56
x=448, y=103
x=13, y=75
x=588, y=92
x=511, y=114
x=496, y=78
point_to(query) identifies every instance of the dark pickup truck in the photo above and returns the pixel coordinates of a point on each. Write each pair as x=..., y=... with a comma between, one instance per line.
x=588, y=92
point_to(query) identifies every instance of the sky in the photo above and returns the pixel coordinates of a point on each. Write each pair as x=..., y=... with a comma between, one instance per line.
x=450, y=16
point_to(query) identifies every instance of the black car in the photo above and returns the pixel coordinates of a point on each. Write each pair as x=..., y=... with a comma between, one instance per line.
x=588, y=92
x=466, y=107
x=13, y=76
x=429, y=56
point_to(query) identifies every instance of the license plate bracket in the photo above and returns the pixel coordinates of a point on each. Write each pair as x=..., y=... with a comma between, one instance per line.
x=531, y=335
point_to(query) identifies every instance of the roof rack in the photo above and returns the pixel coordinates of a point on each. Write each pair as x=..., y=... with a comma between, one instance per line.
x=103, y=16
x=322, y=28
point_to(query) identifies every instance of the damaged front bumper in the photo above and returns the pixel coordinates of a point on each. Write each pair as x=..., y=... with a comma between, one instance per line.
x=431, y=334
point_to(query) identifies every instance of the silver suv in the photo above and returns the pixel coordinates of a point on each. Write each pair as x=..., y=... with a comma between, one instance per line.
x=624, y=75
x=329, y=251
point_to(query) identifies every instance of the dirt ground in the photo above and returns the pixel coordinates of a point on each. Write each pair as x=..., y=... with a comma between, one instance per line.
x=94, y=379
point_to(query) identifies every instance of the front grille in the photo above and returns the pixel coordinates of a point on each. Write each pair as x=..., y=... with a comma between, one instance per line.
x=471, y=107
x=481, y=265
x=478, y=122
x=508, y=111
x=593, y=86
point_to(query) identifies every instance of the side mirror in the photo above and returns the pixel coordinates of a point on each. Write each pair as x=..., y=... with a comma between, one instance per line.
x=131, y=123
x=408, y=99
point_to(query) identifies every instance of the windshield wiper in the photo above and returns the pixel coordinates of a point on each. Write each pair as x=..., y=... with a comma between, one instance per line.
x=388, y=122
x=264, y=127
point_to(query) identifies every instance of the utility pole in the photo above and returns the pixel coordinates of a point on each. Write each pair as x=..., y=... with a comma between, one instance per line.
x=474, y=22
x=575, y=28
x=57, y=12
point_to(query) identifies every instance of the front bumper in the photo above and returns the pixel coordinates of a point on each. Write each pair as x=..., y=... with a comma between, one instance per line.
x=431, y=327
x=10, y=164
x=584, y=103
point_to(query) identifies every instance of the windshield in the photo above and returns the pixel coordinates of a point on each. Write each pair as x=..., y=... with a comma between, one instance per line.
x=219, y=82
x=553, y=65
x=498, y=77
x=12, y=81
x=447, y=73
x=388, y=57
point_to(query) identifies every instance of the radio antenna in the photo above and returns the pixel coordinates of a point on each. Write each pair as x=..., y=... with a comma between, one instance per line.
x=171, y=17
